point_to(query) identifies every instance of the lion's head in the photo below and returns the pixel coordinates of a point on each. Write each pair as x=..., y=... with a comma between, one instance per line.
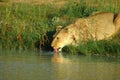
x=63, y=37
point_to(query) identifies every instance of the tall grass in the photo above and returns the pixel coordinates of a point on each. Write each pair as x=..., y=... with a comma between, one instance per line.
x=108, y=48
x=28, y=26
x=22, y=25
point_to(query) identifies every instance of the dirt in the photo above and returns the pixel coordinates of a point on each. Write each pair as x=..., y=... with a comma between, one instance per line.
x=57, y=3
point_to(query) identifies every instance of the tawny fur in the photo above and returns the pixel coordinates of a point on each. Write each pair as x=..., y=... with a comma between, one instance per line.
x=98, y=26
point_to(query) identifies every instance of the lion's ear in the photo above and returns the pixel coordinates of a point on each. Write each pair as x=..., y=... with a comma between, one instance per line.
x=58, y=28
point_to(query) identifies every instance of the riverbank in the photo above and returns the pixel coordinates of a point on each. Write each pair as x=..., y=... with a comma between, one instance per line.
x=30, y=26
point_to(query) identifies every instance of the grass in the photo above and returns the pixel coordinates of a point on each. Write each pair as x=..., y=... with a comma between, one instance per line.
x=28, y=26
x=107, y=48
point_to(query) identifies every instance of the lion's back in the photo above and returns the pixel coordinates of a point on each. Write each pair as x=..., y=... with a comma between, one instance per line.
x=99, y=25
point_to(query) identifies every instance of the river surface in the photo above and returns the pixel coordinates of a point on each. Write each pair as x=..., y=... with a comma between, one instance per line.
x=48, y=66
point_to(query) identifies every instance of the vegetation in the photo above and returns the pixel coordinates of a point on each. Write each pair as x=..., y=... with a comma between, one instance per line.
x=108, y=48
x=3, y=0
x=29, y=26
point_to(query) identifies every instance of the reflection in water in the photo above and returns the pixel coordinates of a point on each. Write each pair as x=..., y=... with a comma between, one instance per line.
x=58, y=57
x=45, y=67
x=79, y=70
x=86, y=71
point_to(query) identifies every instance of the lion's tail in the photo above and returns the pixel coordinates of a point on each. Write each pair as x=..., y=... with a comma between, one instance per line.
x=117, y=22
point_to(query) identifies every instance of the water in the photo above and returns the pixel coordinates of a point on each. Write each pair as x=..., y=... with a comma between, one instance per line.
x=47, y=66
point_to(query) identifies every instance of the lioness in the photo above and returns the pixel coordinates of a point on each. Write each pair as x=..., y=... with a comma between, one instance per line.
x=96, y=27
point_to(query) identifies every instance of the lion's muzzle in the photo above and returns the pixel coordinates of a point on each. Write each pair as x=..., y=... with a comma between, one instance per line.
x=56, y=50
